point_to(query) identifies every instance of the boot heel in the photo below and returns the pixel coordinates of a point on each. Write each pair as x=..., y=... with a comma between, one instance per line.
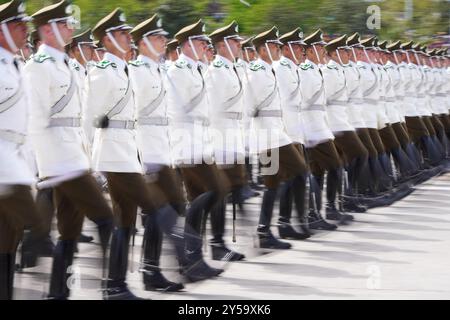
x=28, y=260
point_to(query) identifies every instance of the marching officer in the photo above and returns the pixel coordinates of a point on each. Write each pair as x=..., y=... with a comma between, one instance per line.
x=17, y=207
x=171, y=53
x=353, y=153
x=224, y=85
x=59, y=142
x=111, y=104
x=281, y=160
x=147, y=81
x=286, y=70
x=319, y=139
x=189, y=113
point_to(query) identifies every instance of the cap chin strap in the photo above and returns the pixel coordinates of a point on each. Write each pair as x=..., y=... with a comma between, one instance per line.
x=82, y=54
x=367, y=55
x=57, y=34
x=178, y=51
x=246, y=54
x=22, y=55
x=229, y=50
x=11, y=43
x=114, y=42
x=319, y=61
x=268, y=51
x=407, y=57
x=395, y=57
x=417, y=59
x=151, y=48
x=194, y=51
x=292, y=52
x=339, y=57
x=354, y=54
x=98, y=56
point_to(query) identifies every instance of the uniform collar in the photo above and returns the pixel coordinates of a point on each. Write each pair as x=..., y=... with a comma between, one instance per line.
x=311, y=63
x=54, y=53
x=6, y=55
x=225, y=60
x=147, y=60
x=190, y=61
x=77, y=64
x=265, y=64
x=291, y=63
x=121, y=64
x=333, y=63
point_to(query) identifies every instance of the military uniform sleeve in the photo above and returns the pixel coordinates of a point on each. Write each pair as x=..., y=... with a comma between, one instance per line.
x=37, y=84
x=95, y=101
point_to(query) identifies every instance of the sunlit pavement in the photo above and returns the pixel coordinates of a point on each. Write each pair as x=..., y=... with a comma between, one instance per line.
x=398, y=252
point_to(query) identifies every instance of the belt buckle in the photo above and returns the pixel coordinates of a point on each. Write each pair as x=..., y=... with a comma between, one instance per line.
x=129, y=125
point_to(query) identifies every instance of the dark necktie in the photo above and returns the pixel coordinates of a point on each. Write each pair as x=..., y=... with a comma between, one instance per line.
x=126, y=70
x=16, y=64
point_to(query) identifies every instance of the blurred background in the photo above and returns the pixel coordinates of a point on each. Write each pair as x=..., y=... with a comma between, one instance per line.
x=426, y=21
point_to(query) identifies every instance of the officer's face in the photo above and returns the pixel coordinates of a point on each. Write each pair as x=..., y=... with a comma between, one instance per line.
x=200, y=47
x=66, y=31
x=275, y=51
x=235, y=47
x=99, y=54
x=19, y=33
x=344, y=56
x=349, y=53
x=298, y=51
x=158, y=42
x=88, y=52
x=249, y=54
x=123, y=38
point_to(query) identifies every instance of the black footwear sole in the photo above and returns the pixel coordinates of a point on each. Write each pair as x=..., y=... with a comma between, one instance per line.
x=173, y=288
x=304, y=237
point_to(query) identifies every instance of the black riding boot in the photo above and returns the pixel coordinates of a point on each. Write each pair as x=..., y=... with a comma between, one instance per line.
x=62, y=261
x=7, y=268
x=154, y=280
x=219, y=250
x=117, y=288
x=266, y=238
x=315, y=219
x=357, y=170
x=195, y=268
x=293, y=190
x=333, y=186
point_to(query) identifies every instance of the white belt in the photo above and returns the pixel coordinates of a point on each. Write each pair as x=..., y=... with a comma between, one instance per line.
x=153, y=121
x=122, y=124
x=315, y=107
x=356, y=100
x=65, y=122
x=374, y=101
x=337, y=103
x=232, y=115
x=13, y=137
x=202, y=120
x=269, y=114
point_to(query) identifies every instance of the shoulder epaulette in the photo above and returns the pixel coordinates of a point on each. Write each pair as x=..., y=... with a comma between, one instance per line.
x=306, y=66
x=137, y=63
x=218, y=63
x=182, y=64
x=105, y=64
x=41, y=57
x=255, y=66
x=285, y=63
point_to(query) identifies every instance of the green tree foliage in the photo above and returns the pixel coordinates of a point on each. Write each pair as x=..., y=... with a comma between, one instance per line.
x=430, y=17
